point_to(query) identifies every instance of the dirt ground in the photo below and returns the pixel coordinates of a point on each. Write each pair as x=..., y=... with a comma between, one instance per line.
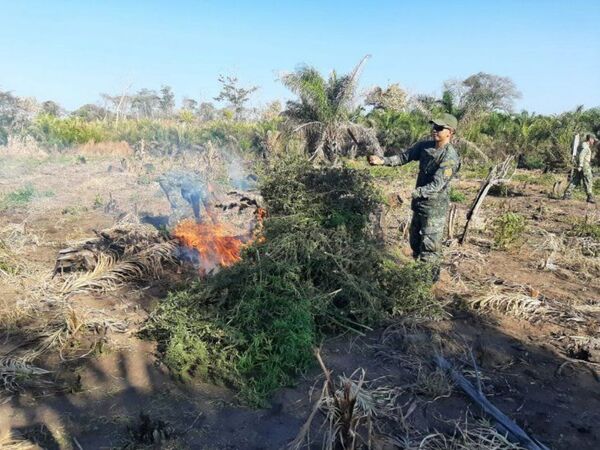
x=524, y=319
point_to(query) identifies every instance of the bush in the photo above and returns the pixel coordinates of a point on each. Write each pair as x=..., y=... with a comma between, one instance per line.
x=508, y=229
x=52, y=131
x=456, y=196
x=315, y=271
x=596, y=187
x=583, y=228
x=531, y=161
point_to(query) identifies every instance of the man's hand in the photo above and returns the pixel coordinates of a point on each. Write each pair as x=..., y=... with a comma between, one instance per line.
x=375, y=160
x=579, y=169
x=416, y=194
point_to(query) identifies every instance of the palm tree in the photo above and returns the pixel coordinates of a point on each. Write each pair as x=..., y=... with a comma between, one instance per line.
x=325, y=112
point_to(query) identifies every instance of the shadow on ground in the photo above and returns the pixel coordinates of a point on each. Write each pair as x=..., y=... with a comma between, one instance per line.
x=554, y=399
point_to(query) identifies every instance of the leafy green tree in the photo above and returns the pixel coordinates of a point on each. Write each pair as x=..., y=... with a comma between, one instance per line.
x=235, y=96
x=51, y=108
x=189, y=104
x=146, y=103
x=206, y=112
x=166, y=101
x=90, y=112
x=16, y=114
x=480, y=93
x=398, y=129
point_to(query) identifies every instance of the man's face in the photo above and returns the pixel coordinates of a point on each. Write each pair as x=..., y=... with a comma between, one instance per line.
x=440, y=133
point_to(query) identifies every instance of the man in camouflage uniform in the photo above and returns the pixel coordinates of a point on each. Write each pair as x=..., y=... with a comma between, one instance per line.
x=438, y=164
x=583, y=173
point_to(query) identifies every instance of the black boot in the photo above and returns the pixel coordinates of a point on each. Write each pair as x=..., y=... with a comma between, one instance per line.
x=435, y=272
x=590, y=199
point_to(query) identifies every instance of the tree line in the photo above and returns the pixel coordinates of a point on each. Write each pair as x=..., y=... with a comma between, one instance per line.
x=327, y=117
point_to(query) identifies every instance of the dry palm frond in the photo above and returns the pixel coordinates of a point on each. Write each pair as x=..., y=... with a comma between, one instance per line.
x=433, y=383
x=528, y=303
x=480, y=437
x=111, y=272
x=516, y=304
x=10, y=442
x=349, y=407
x=15, y=372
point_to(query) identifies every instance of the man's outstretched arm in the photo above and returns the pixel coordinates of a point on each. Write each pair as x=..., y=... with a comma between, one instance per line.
x=410, y=154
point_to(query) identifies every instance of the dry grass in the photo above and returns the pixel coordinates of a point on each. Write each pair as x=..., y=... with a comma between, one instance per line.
x=9, y=441
x=37, y=310
x=122, y=149
x=480, y=436
x=571, y=256
x=22, y=148
x=434, y=384
x=64, y=326
x=20, y=279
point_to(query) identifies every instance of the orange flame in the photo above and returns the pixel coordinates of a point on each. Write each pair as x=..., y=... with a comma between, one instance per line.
x=216, y=243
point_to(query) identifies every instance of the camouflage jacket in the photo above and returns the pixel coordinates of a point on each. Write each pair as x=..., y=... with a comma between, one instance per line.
x=436, y=168
x=584, y=156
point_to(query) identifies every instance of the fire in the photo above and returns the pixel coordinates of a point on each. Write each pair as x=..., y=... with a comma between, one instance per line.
x=216, y=244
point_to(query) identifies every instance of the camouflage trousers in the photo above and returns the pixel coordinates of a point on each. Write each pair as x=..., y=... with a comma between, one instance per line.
x=427, y=233
x=581, y=176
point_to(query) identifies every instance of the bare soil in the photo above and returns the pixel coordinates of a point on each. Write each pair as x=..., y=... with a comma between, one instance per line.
x=540, y=370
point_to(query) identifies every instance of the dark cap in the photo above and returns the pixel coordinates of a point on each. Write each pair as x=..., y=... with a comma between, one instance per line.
x=445, y=120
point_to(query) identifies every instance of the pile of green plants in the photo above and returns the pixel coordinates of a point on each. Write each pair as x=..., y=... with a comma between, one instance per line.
x=316, y=271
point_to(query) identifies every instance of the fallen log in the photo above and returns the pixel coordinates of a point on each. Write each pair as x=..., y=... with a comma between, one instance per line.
x=503, y=421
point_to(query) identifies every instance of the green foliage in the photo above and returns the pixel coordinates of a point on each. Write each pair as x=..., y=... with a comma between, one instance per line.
x=324, y=112
x=596, y=187
x=475, y=172
x=316, y=271
x=540, y=179
x=406, y=172
x=145, y=180
x=456, y=196
x=500, y=190
x=74, y=210
x=235, y=96
x=98, y=202
x=398, y=129
x=508, y=230
x=409, y=286
x=22, y=196
x=583, y=228
x=159, y=136
x=61, y=133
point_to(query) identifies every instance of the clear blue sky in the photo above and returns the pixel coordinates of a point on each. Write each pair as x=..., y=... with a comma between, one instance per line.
x=71, y=51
